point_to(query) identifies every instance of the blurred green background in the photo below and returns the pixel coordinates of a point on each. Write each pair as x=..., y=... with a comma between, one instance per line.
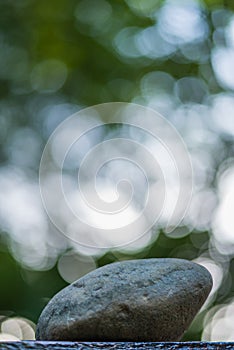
x=57, y=57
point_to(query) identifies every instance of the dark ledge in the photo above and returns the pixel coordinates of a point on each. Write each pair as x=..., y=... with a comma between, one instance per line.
x=43, y=345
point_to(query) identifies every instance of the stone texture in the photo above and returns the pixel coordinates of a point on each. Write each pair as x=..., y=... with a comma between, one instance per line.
x=137, y=300
x=48, y=345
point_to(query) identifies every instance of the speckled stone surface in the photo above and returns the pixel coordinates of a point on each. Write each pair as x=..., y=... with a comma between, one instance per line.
x=137, y=300
x=59, y=345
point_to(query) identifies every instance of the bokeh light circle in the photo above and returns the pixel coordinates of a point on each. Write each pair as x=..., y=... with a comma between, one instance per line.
x=110, y=186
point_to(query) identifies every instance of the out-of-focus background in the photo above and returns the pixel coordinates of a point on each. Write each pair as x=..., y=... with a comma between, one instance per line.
x=57, y=57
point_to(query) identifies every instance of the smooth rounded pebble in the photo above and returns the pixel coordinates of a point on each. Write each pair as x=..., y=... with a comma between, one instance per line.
x=135, y=300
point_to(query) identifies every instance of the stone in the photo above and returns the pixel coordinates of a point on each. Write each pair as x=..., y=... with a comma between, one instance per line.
x=135, y=300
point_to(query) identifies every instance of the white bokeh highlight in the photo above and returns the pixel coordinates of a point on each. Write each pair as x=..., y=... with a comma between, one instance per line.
x=106, y=174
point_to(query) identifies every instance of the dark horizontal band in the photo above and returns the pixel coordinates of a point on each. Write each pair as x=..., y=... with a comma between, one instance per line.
x=39, y=345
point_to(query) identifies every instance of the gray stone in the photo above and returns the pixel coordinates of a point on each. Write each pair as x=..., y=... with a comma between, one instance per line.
x=137, y=300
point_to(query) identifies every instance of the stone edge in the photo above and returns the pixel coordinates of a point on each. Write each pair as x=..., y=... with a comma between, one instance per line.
x=41, y=345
